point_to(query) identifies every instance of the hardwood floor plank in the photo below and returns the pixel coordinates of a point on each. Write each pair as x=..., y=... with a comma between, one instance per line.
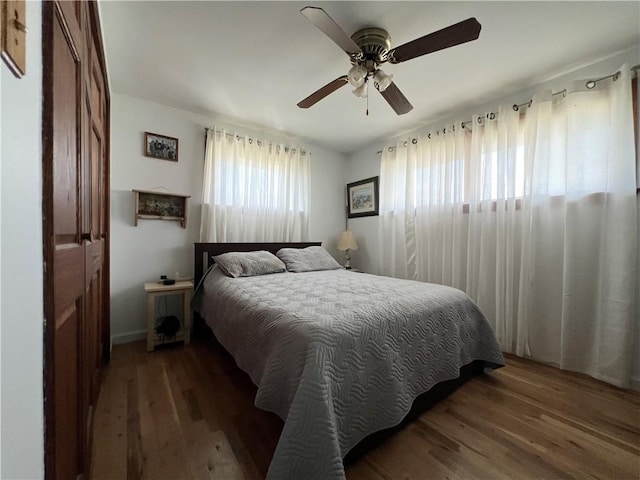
x=571, y=381
x=221, y=461
x=363, y=471
x=622, y=426
x=475, y=452
x=164, y=449
x=110, y=426
x=208, y=453
x=516, y=425
x=187, y=413
x=213, y=396
x=186, y=372
x=134, y=437
x=493, y=442
x=566, y=398
x=398, y=460
x=194, y=408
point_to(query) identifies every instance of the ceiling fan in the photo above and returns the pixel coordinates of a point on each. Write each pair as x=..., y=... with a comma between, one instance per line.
x=370, y=47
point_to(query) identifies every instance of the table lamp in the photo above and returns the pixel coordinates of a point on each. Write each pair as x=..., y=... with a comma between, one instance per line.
x=346, y=243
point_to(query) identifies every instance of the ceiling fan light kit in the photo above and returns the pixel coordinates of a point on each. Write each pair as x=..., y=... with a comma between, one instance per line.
x=361, y=91
x=370, y=47
x=382, y=80
x=357, y=75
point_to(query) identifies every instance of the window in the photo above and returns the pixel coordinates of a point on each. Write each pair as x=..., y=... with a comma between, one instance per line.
x=254, y=191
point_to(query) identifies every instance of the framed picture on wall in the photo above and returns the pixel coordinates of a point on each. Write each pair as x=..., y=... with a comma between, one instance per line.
x=362, y=198
x=160, y=146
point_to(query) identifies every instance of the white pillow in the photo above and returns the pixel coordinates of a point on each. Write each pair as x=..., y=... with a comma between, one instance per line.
x=307, y=259
x=249, y=264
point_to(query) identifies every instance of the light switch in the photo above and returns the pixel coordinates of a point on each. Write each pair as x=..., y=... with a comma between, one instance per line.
x=14, y=36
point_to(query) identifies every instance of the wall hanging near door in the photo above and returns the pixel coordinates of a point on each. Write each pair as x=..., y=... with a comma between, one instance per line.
x=150, y=205
x=160, y=146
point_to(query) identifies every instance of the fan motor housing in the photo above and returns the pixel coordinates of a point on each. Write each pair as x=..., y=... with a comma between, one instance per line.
x=375, y=44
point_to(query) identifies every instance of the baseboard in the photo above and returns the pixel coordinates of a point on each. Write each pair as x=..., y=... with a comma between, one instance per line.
x=635, y=384
x=128, y=337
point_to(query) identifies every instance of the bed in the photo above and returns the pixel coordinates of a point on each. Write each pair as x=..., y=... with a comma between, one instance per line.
x=337, y=355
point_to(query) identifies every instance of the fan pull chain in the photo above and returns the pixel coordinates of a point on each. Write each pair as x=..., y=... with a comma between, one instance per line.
x=367, y=99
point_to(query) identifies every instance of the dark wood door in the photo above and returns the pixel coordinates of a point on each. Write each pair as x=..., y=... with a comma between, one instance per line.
x=68, y=261
x=93, y=193
x=75, y=195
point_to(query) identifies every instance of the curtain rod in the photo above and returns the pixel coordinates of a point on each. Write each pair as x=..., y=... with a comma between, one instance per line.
x=243, y=137
x=206, y=129
x=590, y=84
x=258, y=142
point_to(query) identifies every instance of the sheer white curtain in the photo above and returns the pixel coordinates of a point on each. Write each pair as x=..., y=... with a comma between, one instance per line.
x=254, y=191
x=496, y=186
x=441, y=214
x=534, y=216
x=398, y=170
x=579, y=277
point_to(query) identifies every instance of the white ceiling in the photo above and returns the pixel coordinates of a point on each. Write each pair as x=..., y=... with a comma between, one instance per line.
x=254, y=61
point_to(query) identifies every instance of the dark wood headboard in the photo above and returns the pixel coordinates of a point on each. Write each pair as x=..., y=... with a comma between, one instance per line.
x=204, y=252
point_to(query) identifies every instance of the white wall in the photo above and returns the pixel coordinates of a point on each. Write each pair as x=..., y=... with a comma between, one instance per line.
x=143, y=253
x=366, y=162
x=21, y=275
x=360, y=165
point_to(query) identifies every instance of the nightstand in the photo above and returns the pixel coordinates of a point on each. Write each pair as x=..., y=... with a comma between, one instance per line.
x=155, y=290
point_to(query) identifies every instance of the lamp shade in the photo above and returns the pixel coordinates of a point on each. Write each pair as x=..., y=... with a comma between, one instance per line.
x=382, y=80
x=361, y=91
x=347, y=242
x=357, y=75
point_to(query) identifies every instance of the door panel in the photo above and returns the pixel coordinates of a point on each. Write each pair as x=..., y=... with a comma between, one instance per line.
x=96, y=156
x=66, y=393
x=94, y=160
x=66, y=125
x=68, y=275
x=93, y=341
x=69, y=256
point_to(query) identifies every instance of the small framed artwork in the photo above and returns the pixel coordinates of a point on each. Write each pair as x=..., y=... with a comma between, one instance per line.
x=362, y=198
x=160, y=146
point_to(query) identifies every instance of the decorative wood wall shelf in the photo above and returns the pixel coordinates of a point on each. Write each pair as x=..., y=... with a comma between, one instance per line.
x=161, y=206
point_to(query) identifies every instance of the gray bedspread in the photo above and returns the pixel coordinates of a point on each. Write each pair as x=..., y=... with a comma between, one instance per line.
x=339, y=355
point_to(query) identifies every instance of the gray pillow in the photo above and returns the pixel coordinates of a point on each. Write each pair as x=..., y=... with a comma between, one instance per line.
x=249, y=264
x=307, y=259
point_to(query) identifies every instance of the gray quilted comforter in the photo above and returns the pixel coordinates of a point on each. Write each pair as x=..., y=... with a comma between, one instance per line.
x=339, y=355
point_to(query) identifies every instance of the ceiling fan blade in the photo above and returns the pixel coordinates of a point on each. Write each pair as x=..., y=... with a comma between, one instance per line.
x=319, y=94
x=331, y=29
x=451, y=36
x=396, y=99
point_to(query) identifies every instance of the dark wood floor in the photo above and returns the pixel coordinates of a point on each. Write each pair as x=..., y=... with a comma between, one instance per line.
x=186, y=412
